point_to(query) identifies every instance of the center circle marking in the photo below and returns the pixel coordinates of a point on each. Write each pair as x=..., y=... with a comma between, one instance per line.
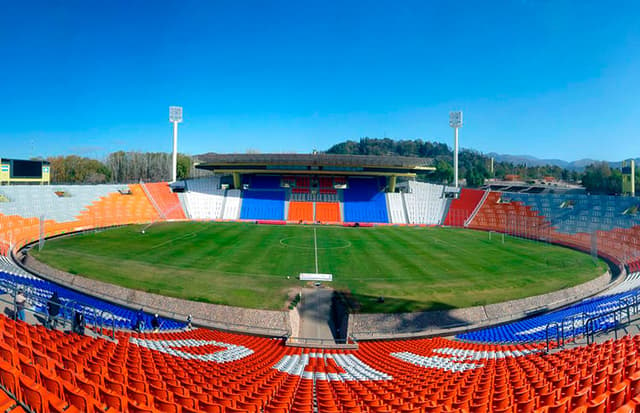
x=290, y=242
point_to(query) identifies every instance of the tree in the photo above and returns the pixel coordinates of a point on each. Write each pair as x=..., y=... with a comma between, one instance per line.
x=443, y=173
x=599, y=178
x=184, y=166
x=75, y=169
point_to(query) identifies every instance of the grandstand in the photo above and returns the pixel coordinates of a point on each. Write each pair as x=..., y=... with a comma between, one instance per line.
x=503, y=368
x=213, y=371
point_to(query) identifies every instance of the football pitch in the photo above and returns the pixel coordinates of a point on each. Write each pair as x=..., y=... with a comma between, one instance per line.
x=257, y=266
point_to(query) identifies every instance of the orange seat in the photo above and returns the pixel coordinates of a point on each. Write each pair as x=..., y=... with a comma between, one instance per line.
x=210, y=407
x=184, y=400
x=112, y=399
x=166, y=406
x=561, y=406
x=328, y=212
x=617, y=396
x=300, y=211
x=9, y=377
x=135, y=408
x=78, y=400
x=34, y=396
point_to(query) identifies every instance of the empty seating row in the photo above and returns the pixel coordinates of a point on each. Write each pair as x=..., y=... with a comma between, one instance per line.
x=571, y=213
x=573, y=318
x=257, y=204
x=301, y=211
x=214, y=371
x=328, y=212
x=116, y=208
x=205, y=205
x=314, y=196
x=365, y=201
x=208, y=185
x=62, y=203
x=425, y=203
x=166, y=200
x=500, y=212
x=232, y=204
x=205, y=199
x=397, y=213
x=314, y=211
x=96, y=311
x=461, y=208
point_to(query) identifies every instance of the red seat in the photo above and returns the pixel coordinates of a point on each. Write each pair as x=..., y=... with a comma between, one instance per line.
x=166, y=406
x=78, y=400
x=9, y=378
x=617, y=396
x=112, y=399
x=210, y=407
x=135, y=408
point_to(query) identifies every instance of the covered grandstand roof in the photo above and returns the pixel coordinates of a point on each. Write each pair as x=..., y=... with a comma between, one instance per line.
x=314, y=162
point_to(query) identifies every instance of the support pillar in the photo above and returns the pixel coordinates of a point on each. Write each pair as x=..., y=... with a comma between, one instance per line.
x=392, y=183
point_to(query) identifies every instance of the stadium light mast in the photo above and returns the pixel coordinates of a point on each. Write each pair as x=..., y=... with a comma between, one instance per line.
x=455, y=121
x=175, y=116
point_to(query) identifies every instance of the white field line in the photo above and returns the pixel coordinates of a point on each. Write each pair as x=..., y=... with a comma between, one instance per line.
x=315, y=247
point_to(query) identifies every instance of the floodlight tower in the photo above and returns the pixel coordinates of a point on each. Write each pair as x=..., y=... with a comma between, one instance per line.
x=455, y=121
x=175, y=116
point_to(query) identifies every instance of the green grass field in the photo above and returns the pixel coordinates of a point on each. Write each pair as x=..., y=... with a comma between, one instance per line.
x=249, y=265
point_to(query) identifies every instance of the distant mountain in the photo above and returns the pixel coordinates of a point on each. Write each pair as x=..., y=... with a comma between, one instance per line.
x=528, y=160
x=578, y=165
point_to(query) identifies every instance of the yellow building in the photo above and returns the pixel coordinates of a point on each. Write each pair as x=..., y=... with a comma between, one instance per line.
x=18, y=171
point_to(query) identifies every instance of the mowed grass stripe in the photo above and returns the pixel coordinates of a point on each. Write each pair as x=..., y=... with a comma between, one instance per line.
x=256, y=266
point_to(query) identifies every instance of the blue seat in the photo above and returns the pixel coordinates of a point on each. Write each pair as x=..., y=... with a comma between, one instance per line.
x=364, y=201
x=96, y=311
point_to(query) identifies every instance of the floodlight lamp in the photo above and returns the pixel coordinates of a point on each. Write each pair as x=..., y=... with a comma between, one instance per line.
x=455, y=119
x=175, y=114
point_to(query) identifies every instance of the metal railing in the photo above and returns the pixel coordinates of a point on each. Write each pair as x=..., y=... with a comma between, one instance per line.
x=592, y=324
x=559, y=334
x=612, y=321
x=39, y=306
x=561, y=337
x=322, y=342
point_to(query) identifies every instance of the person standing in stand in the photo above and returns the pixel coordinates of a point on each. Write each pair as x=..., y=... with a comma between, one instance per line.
x=155, y=323
x=139, y=325
x=21, y=303
x=53, y=309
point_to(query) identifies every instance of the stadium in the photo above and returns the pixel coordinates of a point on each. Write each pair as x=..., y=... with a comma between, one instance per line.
x=316, y=283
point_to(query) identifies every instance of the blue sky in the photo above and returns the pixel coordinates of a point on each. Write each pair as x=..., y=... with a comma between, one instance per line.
x=553, y=79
